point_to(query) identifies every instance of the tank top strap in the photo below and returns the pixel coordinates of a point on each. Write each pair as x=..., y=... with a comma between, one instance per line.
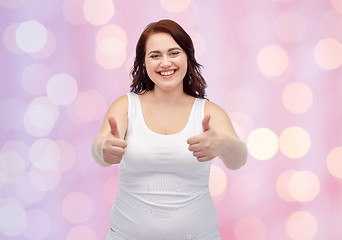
x=198, y=112
x=133, y=108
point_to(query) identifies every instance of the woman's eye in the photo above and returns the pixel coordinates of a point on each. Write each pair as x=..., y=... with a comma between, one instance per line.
x=155, y=56
x=174, y=53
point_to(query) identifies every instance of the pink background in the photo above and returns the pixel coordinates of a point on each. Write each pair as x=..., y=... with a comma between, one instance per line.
x=273, y=65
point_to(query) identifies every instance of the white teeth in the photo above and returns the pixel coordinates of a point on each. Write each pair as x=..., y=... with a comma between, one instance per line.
x=167, y=73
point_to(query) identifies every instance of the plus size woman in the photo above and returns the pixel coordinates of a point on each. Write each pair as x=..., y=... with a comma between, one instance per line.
x=164, y=134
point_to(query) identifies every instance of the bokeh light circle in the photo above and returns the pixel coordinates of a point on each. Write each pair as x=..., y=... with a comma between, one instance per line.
x=250, y=228
x=61, y=89
x=262, y=143
x=9, y=39
x=294, y=142
x=34, y=79
x=98, y=12
x=217, y=181
x=282, y=185
x=31, y=36
x=88, y=106
x=12, y=167
x=328, y=53
x=175, y=6
x=301, y=225
x=41, y=116
x=297, y=97
x=272, y=60
x=13, y=219
x=28, y=193
x=334, y=162
x=304, y=186
x=38, y=225
x=77, y=207
x=44, y=154
x=67, y=155
x=44, y=180
x=81, y=232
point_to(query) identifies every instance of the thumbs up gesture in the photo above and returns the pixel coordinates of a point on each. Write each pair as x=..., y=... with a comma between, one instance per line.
x=114, y=147
x=205, y=145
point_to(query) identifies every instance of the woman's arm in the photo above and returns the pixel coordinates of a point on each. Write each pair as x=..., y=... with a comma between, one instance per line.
x=218, y=139
x=108, y=146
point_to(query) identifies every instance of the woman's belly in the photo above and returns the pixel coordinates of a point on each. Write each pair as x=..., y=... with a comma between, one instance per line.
x=132, y=218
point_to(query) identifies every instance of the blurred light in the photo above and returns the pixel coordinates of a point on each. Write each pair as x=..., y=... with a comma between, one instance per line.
x=282, y=186
x=12, y=167
x=262, y=143
x=290, y=26
x=13, y=219
x=11, y=3
x=81, y=232
x=272, y=61
x=48, y=49
x=301, y=225
x=88, y=106
x=34, y=79
x=334, y=162
x=304, y=186
x=111, y=46
x=337, y=4
x=27, y=192
x=77, y=207
x=40, y=117
x=175, y=6
x=61, y=89
x=250, y=228
x=31, y=36
x=245, y=190
x=9, y=39
x=217, y=181
x=294, y=142
x=16, y=146
x=44, y=154
x=297, y=98
x=68, y=156
x=98, y=12
x=38, y=225
x=73, y=11
x=110, y=53
x=44, y=180
x=328, y=53
x=111, y=32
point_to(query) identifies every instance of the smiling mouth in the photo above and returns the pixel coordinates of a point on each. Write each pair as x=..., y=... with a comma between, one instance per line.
x=167, y=73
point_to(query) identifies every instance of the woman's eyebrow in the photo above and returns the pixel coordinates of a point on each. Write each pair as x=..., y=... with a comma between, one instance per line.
x=169, y=50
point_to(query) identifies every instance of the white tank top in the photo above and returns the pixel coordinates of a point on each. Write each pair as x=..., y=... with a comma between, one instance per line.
x=163, y=189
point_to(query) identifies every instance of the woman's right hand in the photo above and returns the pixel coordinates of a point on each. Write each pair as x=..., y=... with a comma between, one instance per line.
x=113, y=147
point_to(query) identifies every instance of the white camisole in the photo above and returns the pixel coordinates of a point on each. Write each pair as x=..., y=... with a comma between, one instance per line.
x=163, y=190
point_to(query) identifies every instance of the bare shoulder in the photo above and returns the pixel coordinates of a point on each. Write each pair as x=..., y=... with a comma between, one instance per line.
x=119, y=111
x=219, y=119
x=214, y=109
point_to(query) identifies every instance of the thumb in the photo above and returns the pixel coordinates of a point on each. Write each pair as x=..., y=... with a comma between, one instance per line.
x=113, y=126
x=205, y=123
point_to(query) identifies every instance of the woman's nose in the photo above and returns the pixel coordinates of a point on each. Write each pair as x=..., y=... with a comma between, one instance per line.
x=165, y=63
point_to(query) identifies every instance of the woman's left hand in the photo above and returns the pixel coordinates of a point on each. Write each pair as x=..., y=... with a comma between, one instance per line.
x=205, y=146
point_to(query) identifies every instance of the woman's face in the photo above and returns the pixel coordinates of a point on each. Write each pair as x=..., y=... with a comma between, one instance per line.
x=165, y=62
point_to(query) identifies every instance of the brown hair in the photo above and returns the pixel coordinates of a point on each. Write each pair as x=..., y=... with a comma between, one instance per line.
x=193, y=82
